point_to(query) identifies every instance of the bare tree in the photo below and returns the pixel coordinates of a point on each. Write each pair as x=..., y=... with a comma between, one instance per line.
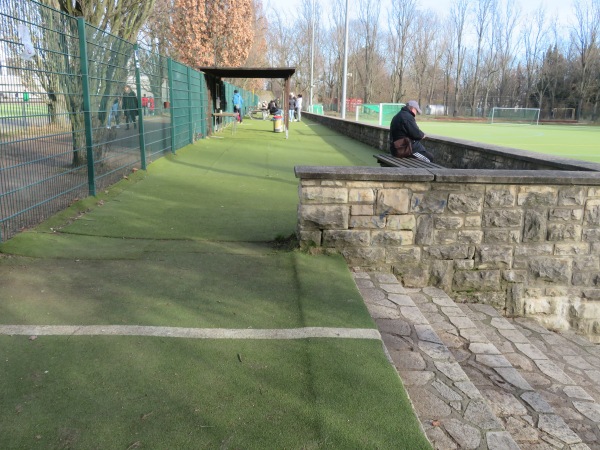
x=368, y=19
x=585, y=41
x=400, y=21
x=534, y=42
x=458, y=17
x=484, y=11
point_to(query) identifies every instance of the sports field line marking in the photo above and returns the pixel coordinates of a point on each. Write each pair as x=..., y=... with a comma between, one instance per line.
x=190, y=333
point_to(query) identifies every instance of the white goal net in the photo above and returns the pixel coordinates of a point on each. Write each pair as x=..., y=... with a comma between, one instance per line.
x=529, y=116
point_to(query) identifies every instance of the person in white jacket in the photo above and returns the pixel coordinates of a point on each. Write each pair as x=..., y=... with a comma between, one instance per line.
x=298, y=107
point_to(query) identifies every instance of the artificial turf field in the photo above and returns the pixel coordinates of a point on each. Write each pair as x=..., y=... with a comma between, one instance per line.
x=570, y=141
x=195, y=242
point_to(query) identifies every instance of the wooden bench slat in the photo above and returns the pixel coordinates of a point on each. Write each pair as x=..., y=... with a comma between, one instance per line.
x=410, y=163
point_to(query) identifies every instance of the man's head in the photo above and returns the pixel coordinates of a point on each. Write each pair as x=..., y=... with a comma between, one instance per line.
x=235, y=91
x=414, y=107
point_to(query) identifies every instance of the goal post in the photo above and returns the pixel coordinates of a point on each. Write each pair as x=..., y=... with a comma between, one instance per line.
x=529, y=116
x=381, y=113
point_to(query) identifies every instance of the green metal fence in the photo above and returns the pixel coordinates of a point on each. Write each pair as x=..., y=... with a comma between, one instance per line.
x=80, y=108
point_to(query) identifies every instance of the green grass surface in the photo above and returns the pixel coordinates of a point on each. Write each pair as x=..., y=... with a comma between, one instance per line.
x=161, y=393
x=569, y=141
x=193, y=243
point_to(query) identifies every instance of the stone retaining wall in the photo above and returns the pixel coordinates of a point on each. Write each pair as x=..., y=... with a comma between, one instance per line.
x=527, y=242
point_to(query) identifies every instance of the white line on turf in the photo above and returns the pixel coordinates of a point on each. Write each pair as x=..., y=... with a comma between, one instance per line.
x=190, y=333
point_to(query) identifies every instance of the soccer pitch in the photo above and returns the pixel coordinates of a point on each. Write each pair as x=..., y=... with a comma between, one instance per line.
x=570, y=141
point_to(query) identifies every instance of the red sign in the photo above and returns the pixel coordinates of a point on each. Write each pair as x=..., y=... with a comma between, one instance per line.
x=352, y=103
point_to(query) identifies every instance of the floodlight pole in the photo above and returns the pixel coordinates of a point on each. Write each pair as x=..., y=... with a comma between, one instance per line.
x=345, y=76
x=312, y=56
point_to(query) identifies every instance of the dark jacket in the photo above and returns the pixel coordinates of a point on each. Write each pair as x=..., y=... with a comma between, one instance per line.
x=130, y=102
x=404, y=125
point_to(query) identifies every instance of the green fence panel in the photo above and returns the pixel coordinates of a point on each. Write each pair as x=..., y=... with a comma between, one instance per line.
x=155, y=88
x=71, y=126
x=180, y=104
x=40, y=138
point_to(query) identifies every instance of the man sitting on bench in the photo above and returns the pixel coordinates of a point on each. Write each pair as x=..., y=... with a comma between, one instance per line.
x=404, y=125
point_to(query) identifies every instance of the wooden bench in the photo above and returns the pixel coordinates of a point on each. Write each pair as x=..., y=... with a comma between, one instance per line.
x=386, y=160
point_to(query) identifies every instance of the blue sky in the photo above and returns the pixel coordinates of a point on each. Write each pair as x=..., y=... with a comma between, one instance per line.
x=562, y=8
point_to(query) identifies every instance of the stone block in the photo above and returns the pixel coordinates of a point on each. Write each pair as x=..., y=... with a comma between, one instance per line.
x=441, y=274
x=346, y=238
x=364, y=184
x=386, y=238
x=592, y=213
x=591, y=294
x=493, y=257
x=502, y=218
x=401, y=222
x=572, y=249
x=591, y=234
x=564, y=232
x=477, y=280
x=534, y=226
x=536, y=196
x=515, y=276
x=367, y=222
x=473, y=221
x=571, y=196
x=424, y=231
x=514, y=299
x=448, y=252
x=593, y=191
x=500, y=197
x=327, y=217
x=362, y=210
x=403, y=255
x=413, y=276
x=364, y=256
x=392, y=201
x=470, y=237
x=448, y=222
x=551, y=270
x=363, y=195
x=465, y=203
x=464, y=264
x=429, y=202
x=324, y=195
x=534, y=250
x=499, y=236
x=581, y=279
x=565, y=214
x=445, y=237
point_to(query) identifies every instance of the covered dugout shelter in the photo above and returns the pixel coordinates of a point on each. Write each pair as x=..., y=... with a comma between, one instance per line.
x=214, y=76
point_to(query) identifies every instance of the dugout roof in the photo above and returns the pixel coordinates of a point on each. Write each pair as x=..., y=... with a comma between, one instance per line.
x=257, y=72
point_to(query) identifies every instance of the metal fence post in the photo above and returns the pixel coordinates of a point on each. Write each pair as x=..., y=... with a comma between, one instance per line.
x=190, y=114
x=170, y=75
x=138, y=88
x=87, y=114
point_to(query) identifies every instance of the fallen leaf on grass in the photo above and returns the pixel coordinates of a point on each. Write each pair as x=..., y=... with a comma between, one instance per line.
x=32, y=338
x=136, y=444
x=145, y=416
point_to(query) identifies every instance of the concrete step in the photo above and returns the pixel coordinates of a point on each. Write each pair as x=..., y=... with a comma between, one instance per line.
x=477, y=380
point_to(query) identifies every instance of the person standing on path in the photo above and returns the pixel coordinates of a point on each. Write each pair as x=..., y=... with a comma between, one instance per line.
x=130, y=107
x=299, y=108
x=404, y=125
x=292, y=107
x=238, y=104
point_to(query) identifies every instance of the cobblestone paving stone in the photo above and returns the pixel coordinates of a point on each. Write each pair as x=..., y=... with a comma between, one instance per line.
x=478, y=380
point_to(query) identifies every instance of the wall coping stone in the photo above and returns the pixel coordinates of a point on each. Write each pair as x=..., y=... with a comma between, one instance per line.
x=363, y=173
x=487, y=176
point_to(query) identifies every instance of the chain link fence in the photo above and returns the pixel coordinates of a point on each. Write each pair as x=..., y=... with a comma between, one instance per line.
x=80, y=108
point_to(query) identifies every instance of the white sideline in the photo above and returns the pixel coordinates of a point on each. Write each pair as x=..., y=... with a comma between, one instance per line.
x=190, y=333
